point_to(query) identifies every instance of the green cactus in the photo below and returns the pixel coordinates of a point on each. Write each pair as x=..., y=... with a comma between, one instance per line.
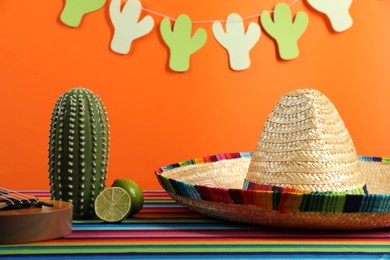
x=179, y=41
x=74, y=10
x=284, y=30
x=78, y=150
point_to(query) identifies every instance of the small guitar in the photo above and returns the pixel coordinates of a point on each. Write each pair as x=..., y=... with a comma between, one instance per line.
x=25, y=218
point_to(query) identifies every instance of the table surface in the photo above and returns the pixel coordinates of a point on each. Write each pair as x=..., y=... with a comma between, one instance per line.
x=165, y=229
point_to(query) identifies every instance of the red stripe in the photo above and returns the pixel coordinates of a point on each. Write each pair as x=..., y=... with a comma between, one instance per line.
x=256, y=233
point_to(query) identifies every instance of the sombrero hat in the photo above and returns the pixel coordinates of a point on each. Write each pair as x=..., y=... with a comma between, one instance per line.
x=304, y=173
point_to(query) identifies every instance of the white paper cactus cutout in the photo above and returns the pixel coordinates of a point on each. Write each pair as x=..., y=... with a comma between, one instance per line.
x=336, y=10
x=126, y=25
x=236, y=41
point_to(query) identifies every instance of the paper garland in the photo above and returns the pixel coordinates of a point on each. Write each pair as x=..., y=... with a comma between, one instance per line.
x=285, y=30
x=181, y=44
x=337, y=12
x=281, y=27
x=237, y=42
x=74, y=10
x=126, y=25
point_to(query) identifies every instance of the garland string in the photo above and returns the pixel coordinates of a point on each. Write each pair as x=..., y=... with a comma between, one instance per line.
x=211, y=21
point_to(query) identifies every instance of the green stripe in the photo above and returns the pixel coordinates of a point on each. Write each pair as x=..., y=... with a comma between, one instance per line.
x=334, y=202
x=386, y=160
x=166, y=183
x=193, y=248
x=186, y=163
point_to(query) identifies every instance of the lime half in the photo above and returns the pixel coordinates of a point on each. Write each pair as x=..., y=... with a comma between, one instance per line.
x=113, y=204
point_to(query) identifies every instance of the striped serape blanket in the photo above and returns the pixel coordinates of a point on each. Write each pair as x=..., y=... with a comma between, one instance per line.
x=165, y=229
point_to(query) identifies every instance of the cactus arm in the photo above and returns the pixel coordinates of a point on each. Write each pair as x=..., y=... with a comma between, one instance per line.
x=219, y=33
x=147, y=24
x=181, y=44
x=284, y=30
x=236, y=41
x=336, y=11
x=267, y=23
x=166, y=32
x=115, y=11
x=300, y=23
x=198, y=40
x=126, y=25
x=78, y=150
x=252, y=35
x=74, y=10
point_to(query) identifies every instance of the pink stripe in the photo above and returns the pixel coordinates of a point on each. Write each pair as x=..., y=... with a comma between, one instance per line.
x=165, y=209
x=255, y=233
x=221, y=157
x=155, y=193
x=44, y=193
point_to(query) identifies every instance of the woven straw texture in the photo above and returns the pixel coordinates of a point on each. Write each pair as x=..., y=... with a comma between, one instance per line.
x=306, y=146
x=185, y=181
x=308, y=220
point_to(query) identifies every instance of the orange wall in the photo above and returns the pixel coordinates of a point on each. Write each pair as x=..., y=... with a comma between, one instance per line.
x=159, y=117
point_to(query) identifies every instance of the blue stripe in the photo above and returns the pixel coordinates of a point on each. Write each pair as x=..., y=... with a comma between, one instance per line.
x=196, y=256
x=246, y=155
x=187, y=190
x=158, y=226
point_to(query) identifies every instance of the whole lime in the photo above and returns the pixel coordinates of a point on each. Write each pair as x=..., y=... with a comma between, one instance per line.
x=135, y=192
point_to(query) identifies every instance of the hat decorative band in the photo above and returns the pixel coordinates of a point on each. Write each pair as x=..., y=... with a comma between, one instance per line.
x=213, y=186
x=283, y=200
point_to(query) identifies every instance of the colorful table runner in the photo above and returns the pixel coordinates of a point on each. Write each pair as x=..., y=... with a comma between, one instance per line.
x=165, y=229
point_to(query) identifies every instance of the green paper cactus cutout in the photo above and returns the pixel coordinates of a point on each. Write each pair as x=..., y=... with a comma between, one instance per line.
x=126, y=24
x=180, y=42
x=78, y=150
x=237, y=42
x=74, y=10
x=284, y=29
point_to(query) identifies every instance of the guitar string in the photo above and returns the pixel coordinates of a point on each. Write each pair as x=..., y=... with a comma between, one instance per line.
x=16, y=195
x=8, y=201
x=3, y=191
x=19, y=195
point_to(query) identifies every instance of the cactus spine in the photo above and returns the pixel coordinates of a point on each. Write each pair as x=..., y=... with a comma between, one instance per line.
x=78, y=150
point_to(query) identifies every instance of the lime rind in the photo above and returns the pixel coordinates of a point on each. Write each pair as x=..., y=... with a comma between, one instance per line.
x=134, y=191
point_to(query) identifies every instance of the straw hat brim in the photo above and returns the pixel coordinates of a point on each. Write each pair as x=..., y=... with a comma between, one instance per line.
x=213, y=186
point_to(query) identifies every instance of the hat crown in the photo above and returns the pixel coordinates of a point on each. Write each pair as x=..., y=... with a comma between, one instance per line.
x=305, y=145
